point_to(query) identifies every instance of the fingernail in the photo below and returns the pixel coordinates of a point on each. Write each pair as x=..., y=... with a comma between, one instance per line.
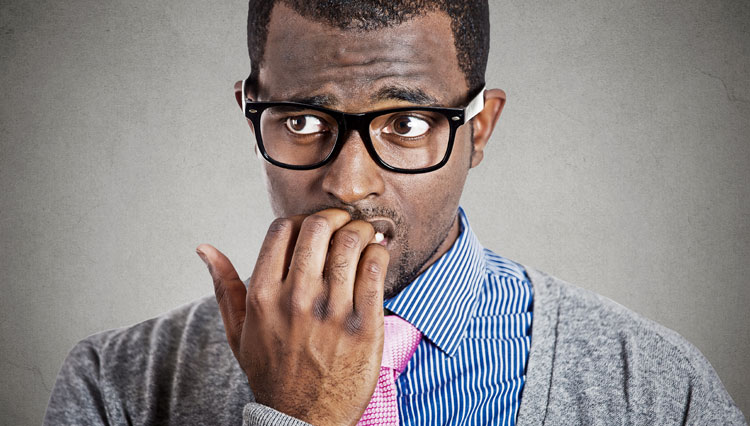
x=202, y=256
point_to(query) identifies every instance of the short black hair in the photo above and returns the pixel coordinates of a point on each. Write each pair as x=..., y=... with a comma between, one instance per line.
x=470, y=23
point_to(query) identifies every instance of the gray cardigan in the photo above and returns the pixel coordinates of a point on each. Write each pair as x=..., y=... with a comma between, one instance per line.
x=592, y=362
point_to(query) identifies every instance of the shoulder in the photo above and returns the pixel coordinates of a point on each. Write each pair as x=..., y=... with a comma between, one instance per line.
x=593, y=325
x=594, y=357
x=161, y=349
x=196, y=320
x=155, y=347
x=157, y=369
x=588, y=318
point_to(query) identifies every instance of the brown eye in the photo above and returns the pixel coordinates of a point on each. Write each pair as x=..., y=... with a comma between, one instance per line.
x=297, y=123
x=402, y=126
x=305, y=124
x=408, y=126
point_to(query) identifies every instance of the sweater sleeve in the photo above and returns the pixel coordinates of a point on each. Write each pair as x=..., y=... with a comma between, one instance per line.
x=708, y=402
x=76, y=397
x=256, y=414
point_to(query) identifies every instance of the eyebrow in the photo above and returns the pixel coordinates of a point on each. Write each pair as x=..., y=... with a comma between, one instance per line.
x=414, y=96
x=317, y=100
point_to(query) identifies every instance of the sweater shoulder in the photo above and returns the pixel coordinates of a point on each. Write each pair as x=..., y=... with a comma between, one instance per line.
x=197, y=319
x=596, y=324
x=600, y=319
x=176, y=368
x=604, y=358
x=159, y=348
x=196, y=324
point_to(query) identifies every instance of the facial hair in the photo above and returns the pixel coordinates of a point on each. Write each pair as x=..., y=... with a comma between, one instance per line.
x=410, y=262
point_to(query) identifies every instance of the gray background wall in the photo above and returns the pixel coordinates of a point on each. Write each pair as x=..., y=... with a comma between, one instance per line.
x=620, y=164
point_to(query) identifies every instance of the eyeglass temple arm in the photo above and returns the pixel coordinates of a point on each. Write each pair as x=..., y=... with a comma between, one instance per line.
x=244, y=97
x=475, y=106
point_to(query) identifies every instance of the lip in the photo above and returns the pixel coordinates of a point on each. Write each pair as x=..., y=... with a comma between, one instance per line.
x=386, y=227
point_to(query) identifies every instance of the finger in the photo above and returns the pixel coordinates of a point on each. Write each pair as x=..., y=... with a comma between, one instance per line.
x=368, y=286
x=340, y=272
x=308, y=259
x=229, y=290
x=276, y=252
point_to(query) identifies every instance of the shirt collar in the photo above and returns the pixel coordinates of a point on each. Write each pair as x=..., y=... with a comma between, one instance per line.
x=442, y=299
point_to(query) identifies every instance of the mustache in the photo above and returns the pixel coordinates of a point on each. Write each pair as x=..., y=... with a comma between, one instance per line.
x=361, y=213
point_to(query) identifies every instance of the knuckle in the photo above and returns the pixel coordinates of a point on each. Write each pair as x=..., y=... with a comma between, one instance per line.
x=321, y=308
x=280, y=226
x=219, y=290
x=299, y=306
x=337, y=311
x=317, y=224
x=373, y=269
x=347, y=238
x=339, y=261
x=353, y=323
x=256, y=299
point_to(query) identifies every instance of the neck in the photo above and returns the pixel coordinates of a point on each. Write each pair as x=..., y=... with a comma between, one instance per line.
x=447, y=243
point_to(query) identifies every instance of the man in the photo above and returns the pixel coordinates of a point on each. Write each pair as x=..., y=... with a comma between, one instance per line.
x=372, y=300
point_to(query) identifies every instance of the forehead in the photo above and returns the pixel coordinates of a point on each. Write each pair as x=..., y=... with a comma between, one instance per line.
x=304, y=58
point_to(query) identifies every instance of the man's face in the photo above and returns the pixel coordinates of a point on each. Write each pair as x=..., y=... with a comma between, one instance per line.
x=417, y=212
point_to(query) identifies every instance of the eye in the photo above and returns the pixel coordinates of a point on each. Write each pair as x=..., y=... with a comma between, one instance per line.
x=407, y=126
x=305, y=124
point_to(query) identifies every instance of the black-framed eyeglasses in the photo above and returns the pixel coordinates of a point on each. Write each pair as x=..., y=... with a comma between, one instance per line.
x=414, y=139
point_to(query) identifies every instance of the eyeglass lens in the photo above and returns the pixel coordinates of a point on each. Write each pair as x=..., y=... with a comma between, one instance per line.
x=405, y=139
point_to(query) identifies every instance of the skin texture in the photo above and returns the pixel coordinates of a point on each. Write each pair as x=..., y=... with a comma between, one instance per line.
x=308, y=332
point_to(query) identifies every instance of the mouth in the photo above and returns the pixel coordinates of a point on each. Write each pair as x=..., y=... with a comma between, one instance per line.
x=385, y=230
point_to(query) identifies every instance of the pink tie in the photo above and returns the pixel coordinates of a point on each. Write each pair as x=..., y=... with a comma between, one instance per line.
x=401, y=340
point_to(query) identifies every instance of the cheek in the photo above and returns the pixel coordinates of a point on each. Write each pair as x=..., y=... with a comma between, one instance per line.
x=449, y=180
x=274, y=195
x=462, y=147
x=449, y=183
x=287, y=190
x=430, y=201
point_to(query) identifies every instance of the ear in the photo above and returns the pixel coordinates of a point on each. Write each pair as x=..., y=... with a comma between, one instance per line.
x=238, y=93
x=484, y=122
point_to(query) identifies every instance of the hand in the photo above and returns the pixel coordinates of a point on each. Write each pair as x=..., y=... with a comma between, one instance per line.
x=308, y=332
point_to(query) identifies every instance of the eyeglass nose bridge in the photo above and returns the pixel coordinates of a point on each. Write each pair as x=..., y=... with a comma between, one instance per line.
x=360, y=123
x=355, y=121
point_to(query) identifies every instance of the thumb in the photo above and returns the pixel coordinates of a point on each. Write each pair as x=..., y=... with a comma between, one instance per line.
x=229, y=290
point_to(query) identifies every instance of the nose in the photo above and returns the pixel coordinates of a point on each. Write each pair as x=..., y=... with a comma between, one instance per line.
x=353, y=175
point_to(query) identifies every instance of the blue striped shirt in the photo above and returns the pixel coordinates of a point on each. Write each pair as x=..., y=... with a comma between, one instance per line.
x=474, y=309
